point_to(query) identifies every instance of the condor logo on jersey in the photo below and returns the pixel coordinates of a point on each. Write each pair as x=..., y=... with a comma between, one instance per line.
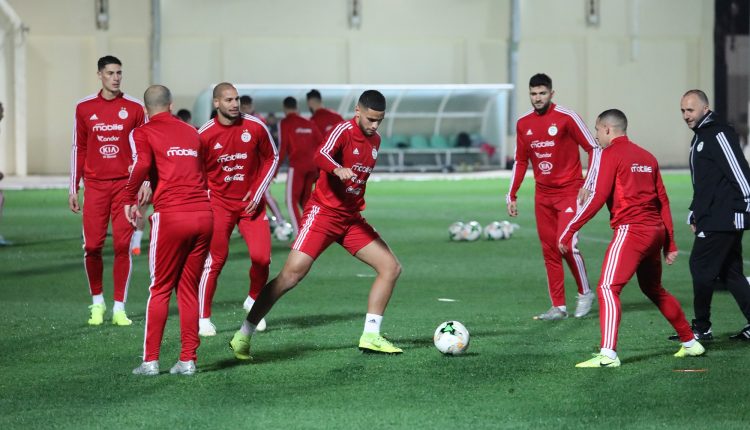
x=109, y=151
x=637, y=168
x=107, y=127
x=231, y=157
x=182, y=152
x=543, y=144
x=107, y=138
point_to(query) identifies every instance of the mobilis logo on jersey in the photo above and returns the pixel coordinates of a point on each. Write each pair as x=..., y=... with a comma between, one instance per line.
x=231, y=157
x=107, y=127
x=637, y=168
x=176, y=151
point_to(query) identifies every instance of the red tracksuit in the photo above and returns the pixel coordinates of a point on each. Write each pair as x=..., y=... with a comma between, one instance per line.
x=239, y=158
x=333, y=212
x=326, y=119
x=628, y=180
x=300, y=139
x=168, y=150
x=550, y=143
x=101, y=155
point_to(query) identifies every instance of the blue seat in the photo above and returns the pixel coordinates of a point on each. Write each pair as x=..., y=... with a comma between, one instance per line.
x=438, y=141
x=399, y=141
x=419, y=142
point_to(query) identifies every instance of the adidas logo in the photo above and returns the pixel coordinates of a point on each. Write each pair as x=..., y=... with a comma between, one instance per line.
x=701, y=234
x=568, y=210
x=218, y=146
x=528, y=132
x=94, y=117
x=356, y=151
x=372, y=321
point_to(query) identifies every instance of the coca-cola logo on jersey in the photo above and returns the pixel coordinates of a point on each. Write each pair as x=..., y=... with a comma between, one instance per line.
x=235, y=177
x=181, y=152
x=107, y=127
x=231, y=157
x=109, y=151
x=545, y=167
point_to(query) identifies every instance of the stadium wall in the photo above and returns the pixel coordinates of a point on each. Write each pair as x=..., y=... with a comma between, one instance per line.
x=640, y=58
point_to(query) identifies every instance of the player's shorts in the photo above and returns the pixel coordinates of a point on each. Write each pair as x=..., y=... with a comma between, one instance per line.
x=321, y=227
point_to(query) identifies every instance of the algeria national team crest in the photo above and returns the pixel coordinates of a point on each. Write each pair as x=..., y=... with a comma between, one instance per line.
x=699, y=147
x=123, y=113
x=245, y=136
x=552, y=130
x=374, y=154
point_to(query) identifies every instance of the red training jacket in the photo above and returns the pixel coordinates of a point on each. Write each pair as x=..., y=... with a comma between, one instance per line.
x=299, y=138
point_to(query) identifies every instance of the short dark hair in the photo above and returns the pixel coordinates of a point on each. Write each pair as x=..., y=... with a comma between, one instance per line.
x=314, y=94
x=540, y=80
x=290, y=103
x=184, y=115
x=614, y=117
x=219, y=88
x=107, y=59
x=698, y=93
x=372, y=99
x=246, y=100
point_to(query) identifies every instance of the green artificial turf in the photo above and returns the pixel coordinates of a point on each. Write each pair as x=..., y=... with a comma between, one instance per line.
x=57, y=372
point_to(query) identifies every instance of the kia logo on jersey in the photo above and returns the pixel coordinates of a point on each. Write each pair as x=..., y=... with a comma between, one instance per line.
x=109, y=151
x=545, y=167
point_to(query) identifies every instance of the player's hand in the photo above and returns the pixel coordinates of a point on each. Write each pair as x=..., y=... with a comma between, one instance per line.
x=132, y=214
x=563, y=249
x=670, y=257
x=344, y=173
x=250, y=208
x=73, y=203
x=144, y=194
x=692, y=227
x=583, y=195
x=512, y=209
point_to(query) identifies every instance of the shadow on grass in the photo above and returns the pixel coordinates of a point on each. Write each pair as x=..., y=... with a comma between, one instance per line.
x=272, y=355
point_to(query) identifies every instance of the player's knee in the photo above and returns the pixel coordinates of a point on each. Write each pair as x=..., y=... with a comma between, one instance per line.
x=391, y=270
x=260, y=260
x=92, y=250
x=289, y=278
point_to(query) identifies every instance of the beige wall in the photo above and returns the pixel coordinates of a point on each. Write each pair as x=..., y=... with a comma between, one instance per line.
x=399, y=41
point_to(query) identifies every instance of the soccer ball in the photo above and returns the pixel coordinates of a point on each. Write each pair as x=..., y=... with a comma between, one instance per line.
x=496, y=231
x=455, y=230
x=509, y=228
x=451, y=338
x=471, y=231
x=283, y=231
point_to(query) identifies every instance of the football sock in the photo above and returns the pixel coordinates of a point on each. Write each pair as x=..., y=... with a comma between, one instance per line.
x=247, y=329
x=563, y=308
x=372, y=323
x=119, y=306
x=608, y=353
x=689, y=344
x=204, y=320
x=136, y=239
x=98, y=299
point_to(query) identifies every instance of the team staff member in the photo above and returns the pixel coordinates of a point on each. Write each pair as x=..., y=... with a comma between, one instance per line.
x=299, y=138
x=333, y=214
x=181, y=225
x=718, y=168
x=548, y=137
x=240, y=158
x=324, y=118
x=101, y=155
x=628, y=180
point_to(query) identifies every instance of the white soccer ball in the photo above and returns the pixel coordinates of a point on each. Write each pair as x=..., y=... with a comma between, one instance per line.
x=509, y=228
x=496, y=231
x=451, y=338
x=455, y=230
x=471, y=231
x=283, y=231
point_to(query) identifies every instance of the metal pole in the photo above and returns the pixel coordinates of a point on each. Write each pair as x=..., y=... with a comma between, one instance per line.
x=155, y=41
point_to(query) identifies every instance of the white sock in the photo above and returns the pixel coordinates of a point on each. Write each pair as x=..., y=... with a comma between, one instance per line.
x=689, y=344
x=135, y=239
x=119, y=306
x=249, y=302
x=204, y=320
x=98, y=299
x=608, y=353
x=563, y=308
x=372, y=323
x=247, y=329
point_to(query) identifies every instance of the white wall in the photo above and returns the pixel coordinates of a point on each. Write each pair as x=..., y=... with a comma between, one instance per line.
x=399, y=41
